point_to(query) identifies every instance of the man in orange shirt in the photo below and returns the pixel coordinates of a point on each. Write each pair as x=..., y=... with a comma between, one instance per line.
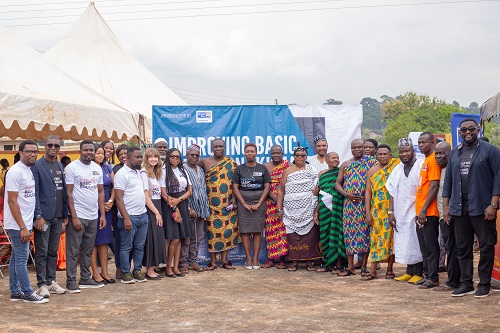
x=427, y=212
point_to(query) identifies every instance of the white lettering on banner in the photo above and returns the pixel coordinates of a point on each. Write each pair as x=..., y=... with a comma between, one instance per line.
x=235, y=144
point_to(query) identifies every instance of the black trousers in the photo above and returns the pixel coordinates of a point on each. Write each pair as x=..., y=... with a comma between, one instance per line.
x=415, y=269
x=450, y=245
x=465, y=227
x=429, y=246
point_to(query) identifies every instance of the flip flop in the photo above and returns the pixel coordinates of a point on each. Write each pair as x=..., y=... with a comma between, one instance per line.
x=390, y=275
x=293, y=269
x=369, y=277
x=211, y=267
x=228, y=265
x=282, y=265
x=346, y=272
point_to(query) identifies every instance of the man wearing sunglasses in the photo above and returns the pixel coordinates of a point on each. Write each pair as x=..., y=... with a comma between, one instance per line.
x=470, y=195
x=51, y=213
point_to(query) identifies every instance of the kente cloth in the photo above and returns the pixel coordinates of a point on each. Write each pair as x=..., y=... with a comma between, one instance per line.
x=356, y=232
x=299, y=202
x=381, y=234
x=403, y=191
x=330, y=220
x=222, y=225
x=276, y=243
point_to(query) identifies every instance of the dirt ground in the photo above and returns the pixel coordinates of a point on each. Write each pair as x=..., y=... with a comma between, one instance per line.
x=265, y=300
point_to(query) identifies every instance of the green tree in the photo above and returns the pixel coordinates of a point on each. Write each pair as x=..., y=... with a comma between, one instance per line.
x=392, y=108
x=332, y=101
x=372, y=115
x=425, y=117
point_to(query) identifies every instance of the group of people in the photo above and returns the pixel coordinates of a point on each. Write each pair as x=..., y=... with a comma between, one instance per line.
x=151, y=209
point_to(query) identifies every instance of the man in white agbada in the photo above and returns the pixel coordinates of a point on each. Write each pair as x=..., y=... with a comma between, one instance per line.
x=402, y=186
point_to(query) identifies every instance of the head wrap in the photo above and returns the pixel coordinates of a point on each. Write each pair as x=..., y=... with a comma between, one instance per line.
x=319, y=138
x=160, y=140
x=405, y=142
x=299, y=148
x=193, y=147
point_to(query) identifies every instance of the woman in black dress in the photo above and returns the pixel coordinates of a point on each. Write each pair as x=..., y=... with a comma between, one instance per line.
x=175, y=208
x=251, y=183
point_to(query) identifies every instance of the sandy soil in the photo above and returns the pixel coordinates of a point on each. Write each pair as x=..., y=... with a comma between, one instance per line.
x=265, y=300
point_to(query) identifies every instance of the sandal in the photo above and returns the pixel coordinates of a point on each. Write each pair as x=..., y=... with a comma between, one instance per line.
x=369, y=277
x=268, y=264
x=228, y=265
x=196, y=268
x=211, y=266
x=336, y=271
x=310, y=268
x=365, y=272
x=293, y=268
x=184, y=270
x=390, y=275
x=282, y=265
x=346, y=272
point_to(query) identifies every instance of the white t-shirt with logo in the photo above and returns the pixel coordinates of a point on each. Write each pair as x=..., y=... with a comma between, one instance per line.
x=85, y=178
x=130, y=181
x=156, y=184
x=20, y=179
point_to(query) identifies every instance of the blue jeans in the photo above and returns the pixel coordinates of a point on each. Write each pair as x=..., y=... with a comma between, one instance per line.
x=18, y=271
x=133, y=241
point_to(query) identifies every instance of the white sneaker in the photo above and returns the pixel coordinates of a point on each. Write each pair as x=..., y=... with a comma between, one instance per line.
x=54, y=288
x=43, y=291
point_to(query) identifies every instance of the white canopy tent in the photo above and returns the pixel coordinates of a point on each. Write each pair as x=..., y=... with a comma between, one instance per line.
x=91, y=53
x=38, y=99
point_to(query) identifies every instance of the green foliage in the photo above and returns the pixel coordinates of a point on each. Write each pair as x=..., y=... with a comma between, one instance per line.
x=492, y=132
x=372, y=115
x=392, y=108
x=428, y=116
x=332, y=101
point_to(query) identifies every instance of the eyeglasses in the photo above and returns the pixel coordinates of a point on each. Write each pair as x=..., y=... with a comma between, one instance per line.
x=175, y=156
x=52, y=145
x=194, y=155
x=300, y=155
x=31, y=152
x=470, y=129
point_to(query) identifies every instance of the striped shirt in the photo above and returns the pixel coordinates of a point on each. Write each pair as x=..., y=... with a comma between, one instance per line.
x=198, y=201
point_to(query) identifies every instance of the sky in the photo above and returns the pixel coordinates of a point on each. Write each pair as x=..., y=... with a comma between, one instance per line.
x=302, y=52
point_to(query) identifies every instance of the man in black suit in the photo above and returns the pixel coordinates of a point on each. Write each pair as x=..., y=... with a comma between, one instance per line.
x=51, y=213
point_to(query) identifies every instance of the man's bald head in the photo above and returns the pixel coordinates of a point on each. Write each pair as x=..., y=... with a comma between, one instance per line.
x=442, y=151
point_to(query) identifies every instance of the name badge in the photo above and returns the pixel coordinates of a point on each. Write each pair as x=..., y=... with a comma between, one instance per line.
x=257, y=174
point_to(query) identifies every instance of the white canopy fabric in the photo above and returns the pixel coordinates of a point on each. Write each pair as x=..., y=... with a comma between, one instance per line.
x=38, y=99
x=490, y=108
x=91, y=53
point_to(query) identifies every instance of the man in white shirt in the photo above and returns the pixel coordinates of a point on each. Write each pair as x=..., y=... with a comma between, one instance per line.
x=84, y=186
x=318, y=161
x=19, y=206
x=132, y=215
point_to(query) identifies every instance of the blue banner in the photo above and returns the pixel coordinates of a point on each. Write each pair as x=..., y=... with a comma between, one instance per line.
x=263, y=125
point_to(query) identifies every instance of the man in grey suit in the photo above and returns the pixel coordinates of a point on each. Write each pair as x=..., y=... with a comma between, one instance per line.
x=51, y=213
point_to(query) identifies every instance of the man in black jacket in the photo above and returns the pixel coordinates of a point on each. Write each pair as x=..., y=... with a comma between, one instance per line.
x=470, y=195
x=51, y=213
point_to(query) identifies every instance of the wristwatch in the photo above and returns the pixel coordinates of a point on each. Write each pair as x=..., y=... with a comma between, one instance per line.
x=38, y=216
x=494, y=206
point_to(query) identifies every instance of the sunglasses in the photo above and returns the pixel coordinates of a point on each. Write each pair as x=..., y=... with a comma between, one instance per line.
x=52, y=145
x=175, y=156
x=470, y=129
x=300, y=155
